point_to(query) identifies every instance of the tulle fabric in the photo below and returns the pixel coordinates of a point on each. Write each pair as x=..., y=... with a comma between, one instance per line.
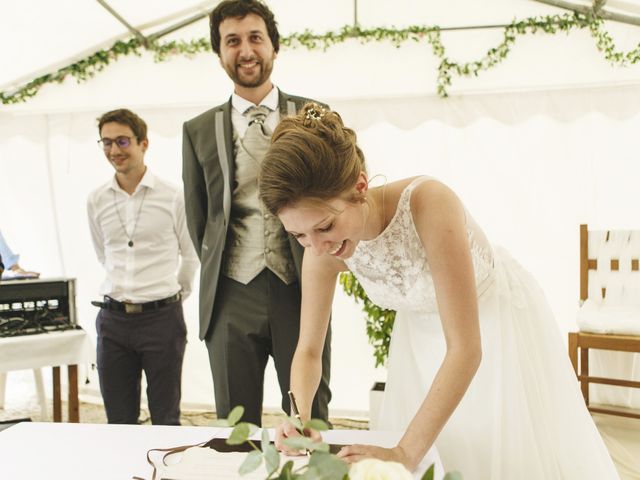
x=523, y=416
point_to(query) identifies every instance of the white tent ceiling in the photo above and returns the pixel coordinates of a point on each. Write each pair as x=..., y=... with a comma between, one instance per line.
x=39, y=36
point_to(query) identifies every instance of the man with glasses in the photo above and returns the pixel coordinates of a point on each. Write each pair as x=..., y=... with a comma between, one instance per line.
x=139, y=232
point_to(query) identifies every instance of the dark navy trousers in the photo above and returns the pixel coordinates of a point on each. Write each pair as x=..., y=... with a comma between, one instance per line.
x=130, y=343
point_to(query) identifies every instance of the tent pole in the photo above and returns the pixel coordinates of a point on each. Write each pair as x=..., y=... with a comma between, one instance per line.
x=118, y=17
x=177, y=26
x=597, y=8
x=355, y=13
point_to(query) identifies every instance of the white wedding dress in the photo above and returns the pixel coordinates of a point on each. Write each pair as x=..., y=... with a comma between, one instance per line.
x=523, y=416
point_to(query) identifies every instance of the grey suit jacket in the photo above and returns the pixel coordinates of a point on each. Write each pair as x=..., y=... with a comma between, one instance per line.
x=208, y=168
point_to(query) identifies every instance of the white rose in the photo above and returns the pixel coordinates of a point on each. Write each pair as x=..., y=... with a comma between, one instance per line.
x=374, y=469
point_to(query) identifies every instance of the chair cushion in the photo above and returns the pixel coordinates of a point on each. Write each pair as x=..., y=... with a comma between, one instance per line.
x=598, y=317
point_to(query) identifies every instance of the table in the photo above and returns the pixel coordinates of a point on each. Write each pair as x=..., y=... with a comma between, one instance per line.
x=58, y=451
x=53, y=349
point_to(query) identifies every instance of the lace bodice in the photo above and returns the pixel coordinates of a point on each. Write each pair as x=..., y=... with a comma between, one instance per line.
x=393, y=267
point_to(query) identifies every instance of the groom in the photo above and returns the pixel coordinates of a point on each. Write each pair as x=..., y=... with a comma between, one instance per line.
x=250, y=274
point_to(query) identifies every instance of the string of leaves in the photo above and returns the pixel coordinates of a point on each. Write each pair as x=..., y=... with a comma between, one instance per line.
x=86, y=68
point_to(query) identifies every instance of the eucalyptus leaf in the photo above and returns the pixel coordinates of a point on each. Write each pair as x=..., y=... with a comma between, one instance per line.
x=428, y=475
x=299, y=443
x=235, y=415
x=287, y=472
x=324, y=466
x=251, y=462
x=265, y=439
x=319, y=447
x=296, y=423
x=239, y=434
x=271, y=458
x=306, y=443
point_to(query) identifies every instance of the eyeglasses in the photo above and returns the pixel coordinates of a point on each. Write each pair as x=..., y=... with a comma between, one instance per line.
x=122, y=142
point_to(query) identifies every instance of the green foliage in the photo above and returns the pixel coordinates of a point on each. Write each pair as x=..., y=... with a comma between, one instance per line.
x=379, y=320
x=86, y=68
x=322, y=464
x=317, y=425
x=234, y=417
x=428, y=475
x=240, y=433
x=81, y=70
x=251, y=462
x=305, y=443
x=325, y=466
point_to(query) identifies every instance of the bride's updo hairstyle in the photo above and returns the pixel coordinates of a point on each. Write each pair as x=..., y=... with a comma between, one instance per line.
x=312, y=156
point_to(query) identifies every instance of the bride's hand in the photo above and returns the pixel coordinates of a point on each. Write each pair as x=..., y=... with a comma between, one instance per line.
x=355, y=453
x=287, y=430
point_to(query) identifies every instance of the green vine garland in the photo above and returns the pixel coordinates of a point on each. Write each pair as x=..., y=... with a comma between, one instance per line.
x=551, y=24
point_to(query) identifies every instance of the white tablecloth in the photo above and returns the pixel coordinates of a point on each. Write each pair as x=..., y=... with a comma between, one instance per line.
x=57, y=451
x=71, y=347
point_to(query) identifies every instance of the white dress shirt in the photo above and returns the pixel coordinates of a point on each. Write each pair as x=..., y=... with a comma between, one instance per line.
x=162, y=260
x=240, y=105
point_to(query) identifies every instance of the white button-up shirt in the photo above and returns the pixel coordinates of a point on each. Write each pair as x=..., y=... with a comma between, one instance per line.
x=162, y=260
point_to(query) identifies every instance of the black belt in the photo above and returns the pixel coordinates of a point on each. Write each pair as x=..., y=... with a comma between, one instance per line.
x=128, y=307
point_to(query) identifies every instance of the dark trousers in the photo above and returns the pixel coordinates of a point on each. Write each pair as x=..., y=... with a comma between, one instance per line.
x=250, y=323
x=129, y=343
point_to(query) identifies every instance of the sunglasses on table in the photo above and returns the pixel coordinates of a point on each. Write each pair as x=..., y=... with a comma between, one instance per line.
x=122, y=142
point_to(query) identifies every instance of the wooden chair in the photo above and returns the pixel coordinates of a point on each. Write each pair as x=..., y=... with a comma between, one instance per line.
x=581, y=342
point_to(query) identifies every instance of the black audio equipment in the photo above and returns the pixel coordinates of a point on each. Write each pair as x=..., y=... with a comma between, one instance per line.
x=32, y=306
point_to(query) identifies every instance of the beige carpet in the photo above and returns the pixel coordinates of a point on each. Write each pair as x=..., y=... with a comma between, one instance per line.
x=21, y=402
x=622, y=437
x=92, y=413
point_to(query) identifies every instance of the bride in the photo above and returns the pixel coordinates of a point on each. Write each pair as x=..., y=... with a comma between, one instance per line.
x=476, y=365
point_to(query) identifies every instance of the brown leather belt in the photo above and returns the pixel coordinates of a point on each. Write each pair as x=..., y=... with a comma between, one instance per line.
x=128, y=307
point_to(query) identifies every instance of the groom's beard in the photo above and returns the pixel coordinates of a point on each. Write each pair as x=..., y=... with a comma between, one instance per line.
x=264, y=67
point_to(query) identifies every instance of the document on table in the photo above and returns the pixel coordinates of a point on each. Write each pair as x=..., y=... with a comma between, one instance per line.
x=197, y=463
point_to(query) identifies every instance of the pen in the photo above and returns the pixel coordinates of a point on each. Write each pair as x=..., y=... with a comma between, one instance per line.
x=296, y=414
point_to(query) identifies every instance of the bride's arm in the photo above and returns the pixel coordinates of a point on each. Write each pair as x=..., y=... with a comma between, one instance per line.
x=443, y=233
x=319, y=274
x=440, y=222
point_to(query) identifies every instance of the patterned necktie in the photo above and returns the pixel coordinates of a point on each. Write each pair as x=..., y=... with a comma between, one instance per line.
x=257, y=138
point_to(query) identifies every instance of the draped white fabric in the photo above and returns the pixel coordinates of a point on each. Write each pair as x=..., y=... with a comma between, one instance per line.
x=530, y=167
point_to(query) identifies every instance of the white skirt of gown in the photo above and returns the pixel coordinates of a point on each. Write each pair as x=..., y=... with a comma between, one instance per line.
x=523, y=416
